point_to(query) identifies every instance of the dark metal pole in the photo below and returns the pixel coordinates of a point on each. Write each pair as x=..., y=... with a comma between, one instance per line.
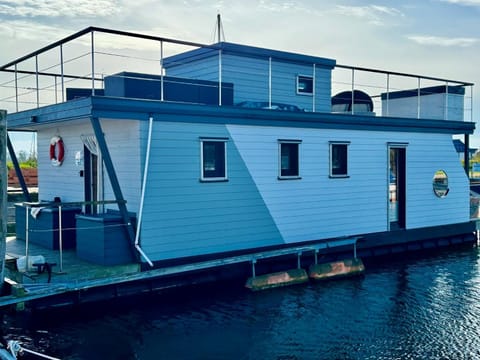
x=3, y=190
x=466, y=155
x=117, y=190
x=18, y=170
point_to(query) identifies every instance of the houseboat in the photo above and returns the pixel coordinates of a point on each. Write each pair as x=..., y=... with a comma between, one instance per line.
x=217, y=160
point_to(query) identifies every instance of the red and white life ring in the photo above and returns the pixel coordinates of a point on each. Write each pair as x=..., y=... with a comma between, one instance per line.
x=56, y=157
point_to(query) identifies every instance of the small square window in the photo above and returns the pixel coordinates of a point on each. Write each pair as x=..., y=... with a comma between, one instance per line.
x=213, y=159
x=289, y=159
x=338, y=159
x=304, y=85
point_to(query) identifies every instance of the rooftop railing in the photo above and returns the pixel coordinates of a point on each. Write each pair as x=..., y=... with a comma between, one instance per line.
x=86, y=59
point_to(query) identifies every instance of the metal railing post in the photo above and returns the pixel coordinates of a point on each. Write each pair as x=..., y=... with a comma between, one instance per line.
x=56, y=88
x=27, y=230
x=418, y=98
x=93, y=62
x=270, y=82
x=388, y=94
x=16, y=88
x=445, y=114
x=353, y=92
x=161, y=71
x=36, y=81
x=313, y=87
x=61, y=72
x=60, y=236
x=471, y=102
x=220, y=77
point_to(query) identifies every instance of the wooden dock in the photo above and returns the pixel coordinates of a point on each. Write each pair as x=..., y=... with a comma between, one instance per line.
x=68, y=274
x=87, y=280
x=67, y=270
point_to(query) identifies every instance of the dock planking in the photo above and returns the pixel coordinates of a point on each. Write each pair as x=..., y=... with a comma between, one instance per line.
x=68, y=270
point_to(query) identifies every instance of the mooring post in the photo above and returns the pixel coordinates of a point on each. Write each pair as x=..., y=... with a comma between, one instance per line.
x=253, y=267
x=3, y=194
x=299, y=254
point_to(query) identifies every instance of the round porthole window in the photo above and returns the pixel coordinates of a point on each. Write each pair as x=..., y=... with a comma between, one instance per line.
x=440, y=183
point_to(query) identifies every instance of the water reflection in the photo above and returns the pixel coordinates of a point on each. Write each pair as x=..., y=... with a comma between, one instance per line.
x=422, y=308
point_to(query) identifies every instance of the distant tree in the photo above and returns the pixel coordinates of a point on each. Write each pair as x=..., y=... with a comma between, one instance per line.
x=31, y=162
x=22, y=156
x=476, y=157
x=25, y=161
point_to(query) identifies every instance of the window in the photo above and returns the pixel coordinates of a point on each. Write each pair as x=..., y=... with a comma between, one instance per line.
x=213, y=159
x=440, y=183
x=289, y=159
x=304, y=85
x=339, y=159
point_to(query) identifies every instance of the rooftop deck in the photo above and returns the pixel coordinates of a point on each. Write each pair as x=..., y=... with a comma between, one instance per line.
x=87, y=58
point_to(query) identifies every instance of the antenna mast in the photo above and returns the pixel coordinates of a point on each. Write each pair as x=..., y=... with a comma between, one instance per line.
x=219, y=29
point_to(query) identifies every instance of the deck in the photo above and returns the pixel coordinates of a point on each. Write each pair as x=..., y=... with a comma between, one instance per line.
x=69, y=273
x=69, y=269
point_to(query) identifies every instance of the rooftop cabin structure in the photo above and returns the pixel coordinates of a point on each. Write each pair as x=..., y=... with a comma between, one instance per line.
x=229, y=151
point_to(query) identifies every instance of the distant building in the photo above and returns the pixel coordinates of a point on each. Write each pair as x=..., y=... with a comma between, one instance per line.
x=460, y=149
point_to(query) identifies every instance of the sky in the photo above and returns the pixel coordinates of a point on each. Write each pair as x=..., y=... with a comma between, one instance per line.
x=439, y=38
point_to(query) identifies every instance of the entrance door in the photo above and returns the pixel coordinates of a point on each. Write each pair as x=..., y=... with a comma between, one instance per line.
x=91, y=180
x=397, y=187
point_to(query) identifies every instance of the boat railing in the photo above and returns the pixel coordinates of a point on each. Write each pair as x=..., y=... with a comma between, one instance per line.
x=32, y=210
x=81, y=64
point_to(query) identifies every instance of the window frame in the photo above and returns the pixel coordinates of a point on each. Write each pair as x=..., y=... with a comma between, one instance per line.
x=203, y=176
x=310, y=89
x=288, y=142
x=331, y=167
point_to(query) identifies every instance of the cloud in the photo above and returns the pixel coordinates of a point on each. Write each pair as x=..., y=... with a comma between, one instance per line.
x=31, y=31
x=463, y=2
x=443, y=41
x=373, y=14
x=59, y=8
x=277, y=6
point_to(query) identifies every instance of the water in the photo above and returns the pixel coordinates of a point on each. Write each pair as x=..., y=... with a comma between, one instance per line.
x=422, y=307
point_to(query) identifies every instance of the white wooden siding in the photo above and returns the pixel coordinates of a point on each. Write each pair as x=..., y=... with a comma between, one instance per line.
x=320, y=207
x=183, y=216
x=250, y=77
x=65, y=181
x=125, y=145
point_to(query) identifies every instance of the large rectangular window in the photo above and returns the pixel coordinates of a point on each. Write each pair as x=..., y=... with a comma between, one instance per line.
x=213, y=159
x=289, y=155
x=339, y=159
